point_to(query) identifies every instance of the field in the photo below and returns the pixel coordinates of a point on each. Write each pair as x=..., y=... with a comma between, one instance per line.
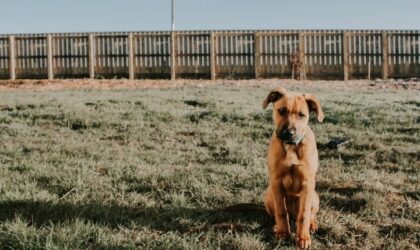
x=153, y=168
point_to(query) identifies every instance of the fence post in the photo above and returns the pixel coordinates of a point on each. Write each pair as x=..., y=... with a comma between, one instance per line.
x=173, y=56
x=91, y=56
x=130, y=57
x=50, y=57
x=213, y=51
x=257, y=54
x=345, y=46
x=302, y=56
x=385, y=52
x=12, y=58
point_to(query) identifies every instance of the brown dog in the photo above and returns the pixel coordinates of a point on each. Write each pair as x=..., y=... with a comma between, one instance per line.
x=292, y=165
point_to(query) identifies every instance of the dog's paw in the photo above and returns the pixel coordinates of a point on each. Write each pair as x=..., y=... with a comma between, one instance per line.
x=281, y=234
x=313, y=227
x=304, y=242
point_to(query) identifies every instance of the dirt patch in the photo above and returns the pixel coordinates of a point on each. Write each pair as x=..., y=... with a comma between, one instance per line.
x=7, y=85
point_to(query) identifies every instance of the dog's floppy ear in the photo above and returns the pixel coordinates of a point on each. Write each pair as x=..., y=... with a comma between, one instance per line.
x=314, y=105
x=274, y=96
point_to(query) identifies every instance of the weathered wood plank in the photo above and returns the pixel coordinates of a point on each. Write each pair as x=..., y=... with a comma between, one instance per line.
x=345, y=41
x=257, y=56
x=213, y=59
x=302, y=55
x=50, y=57
x=385, y=51
x=173, y=55
x=12, y=58
x=130, y=57
x=92, y=57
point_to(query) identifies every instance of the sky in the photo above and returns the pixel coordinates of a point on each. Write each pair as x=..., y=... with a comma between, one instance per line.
x=44, y=16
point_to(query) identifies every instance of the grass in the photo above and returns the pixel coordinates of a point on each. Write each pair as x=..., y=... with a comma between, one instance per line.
x=152, y=169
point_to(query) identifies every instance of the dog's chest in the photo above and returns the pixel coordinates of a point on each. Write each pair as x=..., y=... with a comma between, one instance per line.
x=291, y=181
x=291, y=157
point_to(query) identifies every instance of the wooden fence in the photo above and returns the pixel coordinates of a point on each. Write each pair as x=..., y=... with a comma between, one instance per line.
x=322, y=54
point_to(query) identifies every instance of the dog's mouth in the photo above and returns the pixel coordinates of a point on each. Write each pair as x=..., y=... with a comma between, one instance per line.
x=287, y=138
x=290, y=141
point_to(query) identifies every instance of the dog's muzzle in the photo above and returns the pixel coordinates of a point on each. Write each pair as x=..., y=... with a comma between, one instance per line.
x=289, y=137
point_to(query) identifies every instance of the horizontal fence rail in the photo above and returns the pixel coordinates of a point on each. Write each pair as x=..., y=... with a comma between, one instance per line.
x=304, y=54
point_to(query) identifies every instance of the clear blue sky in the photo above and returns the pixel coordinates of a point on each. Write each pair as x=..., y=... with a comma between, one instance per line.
x=35, y=16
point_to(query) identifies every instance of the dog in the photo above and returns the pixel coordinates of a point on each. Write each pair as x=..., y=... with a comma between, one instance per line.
x=292, y=165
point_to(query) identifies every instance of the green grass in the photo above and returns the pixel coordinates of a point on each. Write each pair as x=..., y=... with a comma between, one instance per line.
x=139, y=169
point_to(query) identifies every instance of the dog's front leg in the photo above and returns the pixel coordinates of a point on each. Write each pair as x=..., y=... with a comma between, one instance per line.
x=281, y=227
x=304, y=214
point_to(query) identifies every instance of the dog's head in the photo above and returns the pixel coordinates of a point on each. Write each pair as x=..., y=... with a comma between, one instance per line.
x=291, y=113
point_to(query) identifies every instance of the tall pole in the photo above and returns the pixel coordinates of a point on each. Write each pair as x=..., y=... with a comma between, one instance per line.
x=173, y=15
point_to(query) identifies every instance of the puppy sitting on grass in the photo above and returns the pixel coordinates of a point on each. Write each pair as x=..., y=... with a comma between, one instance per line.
x=292, y=165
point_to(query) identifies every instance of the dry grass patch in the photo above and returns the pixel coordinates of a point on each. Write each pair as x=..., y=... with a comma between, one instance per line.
x=152, y=168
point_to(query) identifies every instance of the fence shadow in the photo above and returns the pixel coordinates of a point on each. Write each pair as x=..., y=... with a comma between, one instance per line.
x=165, y=219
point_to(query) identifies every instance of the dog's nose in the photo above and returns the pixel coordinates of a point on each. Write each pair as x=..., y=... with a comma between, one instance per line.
x=287, y=134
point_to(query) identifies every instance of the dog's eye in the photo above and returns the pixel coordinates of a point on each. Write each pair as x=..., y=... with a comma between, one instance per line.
x=282, y=111
x=301, y=115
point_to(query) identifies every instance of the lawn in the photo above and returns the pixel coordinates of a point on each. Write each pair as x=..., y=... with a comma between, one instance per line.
x=154, y=168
